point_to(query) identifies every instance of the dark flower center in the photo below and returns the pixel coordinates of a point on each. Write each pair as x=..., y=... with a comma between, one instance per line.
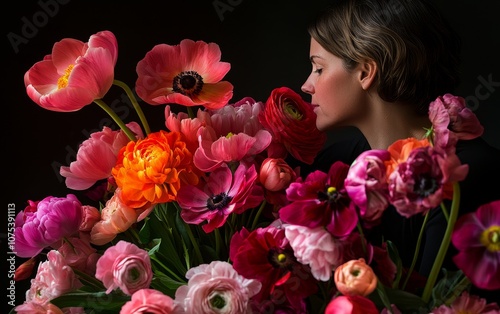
x=279, y=259
x=188, y=83
x=217, y=302
x=218, y=201
x=425, y=185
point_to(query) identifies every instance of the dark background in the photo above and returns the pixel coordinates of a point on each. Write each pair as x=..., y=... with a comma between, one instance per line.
x=265, y=41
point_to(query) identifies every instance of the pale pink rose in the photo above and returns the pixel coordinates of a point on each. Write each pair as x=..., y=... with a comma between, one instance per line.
x=35, y=308
x=116, y=217
x=96, y=157
x=77, y=253
x=217, y=280
x=90, y=216
x=149, y=301
x=53, y=278
x=316, y=248
x=124, y=266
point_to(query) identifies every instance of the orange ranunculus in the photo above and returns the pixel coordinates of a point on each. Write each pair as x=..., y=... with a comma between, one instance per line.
x=151, y=170
x=400, y=150
x=355, y=278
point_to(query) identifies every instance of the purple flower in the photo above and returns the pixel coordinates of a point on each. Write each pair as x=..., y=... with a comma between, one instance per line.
x=321, y=200
x=45, y=223
x=223, y=194
x=477, y=237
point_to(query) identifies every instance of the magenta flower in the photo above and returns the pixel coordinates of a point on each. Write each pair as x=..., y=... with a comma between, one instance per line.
x=450, y=112
x=75, y=74
x=222, y=195
x=366, y=185
x=149, y=301
x=45, y=223
x=233, y=134
x=188, y=74
x=321, y=201
x=477, y=238
x=96, y=157
x=265, y=254
x=216, y=288
x=124, y=266
x=418, y=184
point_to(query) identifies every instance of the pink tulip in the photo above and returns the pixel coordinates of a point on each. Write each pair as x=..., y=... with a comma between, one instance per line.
x=275, y=174
x=75, y=74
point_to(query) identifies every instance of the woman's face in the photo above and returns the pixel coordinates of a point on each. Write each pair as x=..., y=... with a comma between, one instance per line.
x=335, y=92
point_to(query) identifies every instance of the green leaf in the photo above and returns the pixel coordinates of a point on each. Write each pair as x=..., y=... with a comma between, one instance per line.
x=449, y=288
x=98, y=301
x=406, y=302
x=394, y=256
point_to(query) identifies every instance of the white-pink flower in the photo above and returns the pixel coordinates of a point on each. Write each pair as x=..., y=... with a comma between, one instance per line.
x=216, y=288
x=53, y=278
x=96, y=157
x=316, y=248
x=124, y=266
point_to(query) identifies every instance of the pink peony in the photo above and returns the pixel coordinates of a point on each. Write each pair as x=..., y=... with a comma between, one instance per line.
x=75, y=74
x=45, y=223
x=149, y=301
x=316, y=248
x=469, y=304
x=53, y=278
x=124, y=266
x=216, y=288
x=96, y=157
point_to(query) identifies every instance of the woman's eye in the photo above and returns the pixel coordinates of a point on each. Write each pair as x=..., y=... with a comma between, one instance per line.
x=318, y=71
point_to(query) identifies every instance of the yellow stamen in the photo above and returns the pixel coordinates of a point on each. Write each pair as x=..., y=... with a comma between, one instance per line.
x=281, y=257
x=331, y=189
x=490, y=238
x=292, y=111
x=229, y=135
x=62, y=82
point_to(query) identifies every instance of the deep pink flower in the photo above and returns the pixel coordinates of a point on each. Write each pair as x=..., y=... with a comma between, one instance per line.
x=224, y=193
x=79, y=254
x=96, y=157
x=149, y=301
x=124, y=266
x=188, y=74
x=477, y=237
x=188, y=127
x=450, y=112
x=321, y=201
x=418, y=184
x=234, y=134
x=292, y=123
x=366, y=185
x=75, y=74
x=354, y=304
x=216, y=288
x=45, y=223
x=469, y=304
x=265, y=254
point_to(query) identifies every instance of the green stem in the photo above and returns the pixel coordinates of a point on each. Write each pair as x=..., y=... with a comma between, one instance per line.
x=195, y=244
x=438, y=262
x=257, y=216
x=89, y=279
x=116, y=118
x=362, y=235
x=137, y=108
x=168, y=270
x=417, y=249
x=445, y=212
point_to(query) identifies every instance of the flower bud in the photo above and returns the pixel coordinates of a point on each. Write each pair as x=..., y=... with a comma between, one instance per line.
x=355, y=278
x=275, y=174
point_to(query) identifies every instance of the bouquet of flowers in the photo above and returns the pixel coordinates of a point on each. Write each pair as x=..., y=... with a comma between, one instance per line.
x=212, y=213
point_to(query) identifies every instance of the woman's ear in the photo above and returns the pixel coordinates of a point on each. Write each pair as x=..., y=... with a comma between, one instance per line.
x=367, y=71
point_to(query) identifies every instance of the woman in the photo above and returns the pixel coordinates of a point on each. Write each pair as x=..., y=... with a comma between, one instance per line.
x=376, y=66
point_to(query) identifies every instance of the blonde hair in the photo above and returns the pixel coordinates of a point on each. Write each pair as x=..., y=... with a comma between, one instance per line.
x=415, y=49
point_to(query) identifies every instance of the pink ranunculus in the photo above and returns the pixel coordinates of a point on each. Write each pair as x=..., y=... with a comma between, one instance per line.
x=116, y=218
x=35, y=308
x=149, y=301
x=124, y=266
x=366, y=184
x=354, y=304
x=316, y=248
x=477, y=237
x=77, y=253
x=188, y=74
x=450, y=112
x=75, y=74
x=275, y=174
x=234, y=134
x=45, y=223
x=292, y=123
x=53, y=278
x=216, y=288
x=466, y=303
x=96, y=157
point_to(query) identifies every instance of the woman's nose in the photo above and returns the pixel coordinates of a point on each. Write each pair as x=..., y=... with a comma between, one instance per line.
x=307, y=88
